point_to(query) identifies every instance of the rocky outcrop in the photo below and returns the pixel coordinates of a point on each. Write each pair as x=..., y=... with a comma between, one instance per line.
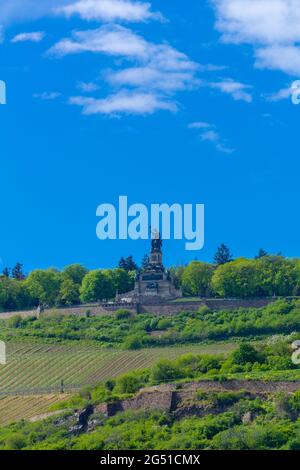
x=182, y=400
x=177, y=399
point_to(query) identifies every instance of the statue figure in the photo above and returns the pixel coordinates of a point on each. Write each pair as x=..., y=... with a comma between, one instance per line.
x=156, y=243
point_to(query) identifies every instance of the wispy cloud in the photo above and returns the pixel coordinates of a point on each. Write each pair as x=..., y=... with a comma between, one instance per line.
x=238, y=91
x=35, y=36
x=282, y=94
x=212, y=67
x=272, y=27
x=124, y=102
x=110, y=10
x=110, y=39
x=208, y=133
x=87, y=87
x=151, y=77
x=157, y=73
x=199, y=125
x=20, y=11
x=47, y=96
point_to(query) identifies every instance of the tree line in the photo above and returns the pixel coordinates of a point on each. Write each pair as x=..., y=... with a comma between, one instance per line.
x=264, y=276
x=72, y=286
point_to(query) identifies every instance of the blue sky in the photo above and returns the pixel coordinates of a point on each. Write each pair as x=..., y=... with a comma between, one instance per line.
x=161, y=101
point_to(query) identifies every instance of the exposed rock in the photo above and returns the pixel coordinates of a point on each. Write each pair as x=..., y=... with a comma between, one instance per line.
x=247, y=418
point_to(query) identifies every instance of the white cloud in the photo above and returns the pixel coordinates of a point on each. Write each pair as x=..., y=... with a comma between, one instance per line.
x=14, y=11
x=282, y=94
x=110, y=39
x=211, y=67
x=153, y=72
x=237, y=90
x=284, y=58
x=110, y=10
x=272, y=27
x=208, y=133
x=47, y=96
x=35, y=36
x=87, y=87
x=200, y=125
x=152, y=78
x=158, y=70
x=117, y=40
x=124, y=102
x=258, y=21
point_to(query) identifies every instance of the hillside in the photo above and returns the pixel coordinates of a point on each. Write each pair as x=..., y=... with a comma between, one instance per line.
x=108, y=363
x=215, y=412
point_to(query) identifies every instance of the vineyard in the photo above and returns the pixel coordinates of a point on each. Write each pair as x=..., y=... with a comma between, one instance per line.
x=14, y=408
x=40, y=368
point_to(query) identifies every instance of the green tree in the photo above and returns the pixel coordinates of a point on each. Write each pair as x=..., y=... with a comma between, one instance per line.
x=97, y=285
x=196, y=278
x=69, y=293
x=122, y=280
x=75, y=272
x=261, y=254
x=128, y=264
x=44, y=286
x=240, y=279
x=6, y=272
x=17, y=272
x=14, y=295
x=277, y=276
x=176, y=274
x=222, y=255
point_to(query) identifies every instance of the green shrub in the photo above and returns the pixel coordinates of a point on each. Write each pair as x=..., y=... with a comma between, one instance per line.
x=15, y=321
x=16, y=442
x=123, y=314
x=165, y=371
x=279, y=307
x=132, y=343
x=246, y=353
x=129, y=383
x=164, y=324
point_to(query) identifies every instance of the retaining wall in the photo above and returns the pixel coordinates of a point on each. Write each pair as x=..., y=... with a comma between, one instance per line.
x=171, y=397
x=163, y=309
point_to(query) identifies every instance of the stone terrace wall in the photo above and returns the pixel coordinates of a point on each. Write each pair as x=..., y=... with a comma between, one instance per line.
x=214, y=304
x=95, y=310
x=23, y=314
x=163, y=309
x=170, y=397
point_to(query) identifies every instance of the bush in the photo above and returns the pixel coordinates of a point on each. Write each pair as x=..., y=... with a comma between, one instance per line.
x=129, y=383
x=15, y=322
x=280, y=307
x=122, y=314
x=16, y=442
x=164, y=324
x=165, y=371
x=246, y=354
x=132, y=343
x=204, y=310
